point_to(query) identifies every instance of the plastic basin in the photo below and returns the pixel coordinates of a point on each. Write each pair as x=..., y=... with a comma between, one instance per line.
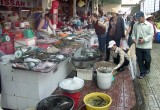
x=93, y=95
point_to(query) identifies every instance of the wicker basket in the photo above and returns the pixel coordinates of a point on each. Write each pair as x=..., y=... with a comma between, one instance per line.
x=104, y=64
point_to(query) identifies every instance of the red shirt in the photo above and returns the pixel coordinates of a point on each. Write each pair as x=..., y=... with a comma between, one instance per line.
x=54, y=11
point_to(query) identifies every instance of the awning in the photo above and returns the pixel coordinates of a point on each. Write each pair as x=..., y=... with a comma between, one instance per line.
x=111, y=1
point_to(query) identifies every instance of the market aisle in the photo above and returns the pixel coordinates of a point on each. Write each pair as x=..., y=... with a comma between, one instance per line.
x=150, y=85
x=121, y=91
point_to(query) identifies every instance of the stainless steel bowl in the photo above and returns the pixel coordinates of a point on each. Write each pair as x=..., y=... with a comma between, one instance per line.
x=90, y=54
x=80, y=64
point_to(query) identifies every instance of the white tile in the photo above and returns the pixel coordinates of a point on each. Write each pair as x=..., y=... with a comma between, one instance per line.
x=4, y=100
x=33, y=91
x=11, y=102
x=21, y=89
x=32, y=77
x=8, y=87
x=20, y=76
x=32, y=103
x=22, y=103
x=6, y=72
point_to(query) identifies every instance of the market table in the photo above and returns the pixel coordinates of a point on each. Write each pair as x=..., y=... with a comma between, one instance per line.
x=22, y=89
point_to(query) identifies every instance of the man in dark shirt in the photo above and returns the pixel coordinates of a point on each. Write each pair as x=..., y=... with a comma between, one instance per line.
x=130, y=30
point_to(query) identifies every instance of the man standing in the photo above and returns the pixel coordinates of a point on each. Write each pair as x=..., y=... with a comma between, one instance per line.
x=142, y=35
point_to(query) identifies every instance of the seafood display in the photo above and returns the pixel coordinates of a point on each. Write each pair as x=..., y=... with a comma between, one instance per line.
x=44, y=60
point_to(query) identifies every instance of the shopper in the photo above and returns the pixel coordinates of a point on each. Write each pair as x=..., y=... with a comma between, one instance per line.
x=118, y=56
x=100, y=30
x=42, y=30
x=101, y=15
x=129, y=31
x=116, y=30
x=15, y=16
x=8, y=18
x=142, y=35
x=106, y=22
x=150, y=19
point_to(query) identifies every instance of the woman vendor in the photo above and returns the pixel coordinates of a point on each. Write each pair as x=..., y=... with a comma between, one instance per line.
x=118, y=56
x=42, y=30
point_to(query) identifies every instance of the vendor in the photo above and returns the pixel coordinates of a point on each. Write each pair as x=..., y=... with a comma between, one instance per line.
x=42, y=30
x=9, y=19
x=118, y=56
x=15, y=16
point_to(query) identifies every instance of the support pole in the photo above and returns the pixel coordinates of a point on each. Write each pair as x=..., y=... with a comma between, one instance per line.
x=74, y=7
x=97, y=6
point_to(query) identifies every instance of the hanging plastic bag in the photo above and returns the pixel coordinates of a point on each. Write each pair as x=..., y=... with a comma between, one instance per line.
x=124, y=44
x=81, y=3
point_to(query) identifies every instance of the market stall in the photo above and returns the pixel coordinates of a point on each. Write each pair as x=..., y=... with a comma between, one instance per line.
x=23, y=89
x=24, y=80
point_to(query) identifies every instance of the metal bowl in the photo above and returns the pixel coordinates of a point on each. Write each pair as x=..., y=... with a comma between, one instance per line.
x=80, y=64
x=59, y=100
x=90, y=54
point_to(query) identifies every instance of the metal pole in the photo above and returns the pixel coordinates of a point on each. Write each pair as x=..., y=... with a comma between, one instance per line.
x=154, y=5
x=74, y=7
x=159, y=4
x=97, y=6
x=93, y=6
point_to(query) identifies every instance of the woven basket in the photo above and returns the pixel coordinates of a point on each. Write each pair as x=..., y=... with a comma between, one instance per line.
x=104, y=64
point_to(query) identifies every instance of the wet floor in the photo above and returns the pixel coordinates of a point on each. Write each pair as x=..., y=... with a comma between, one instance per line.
x=140, y=94
x=121, y=92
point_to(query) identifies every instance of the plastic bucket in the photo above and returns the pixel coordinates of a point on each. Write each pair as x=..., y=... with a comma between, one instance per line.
x=93, y=95
x=104, y=80
x=157, y=37
x=74, y=96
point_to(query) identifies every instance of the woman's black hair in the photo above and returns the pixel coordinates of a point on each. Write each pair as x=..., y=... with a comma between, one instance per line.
x=48, y=15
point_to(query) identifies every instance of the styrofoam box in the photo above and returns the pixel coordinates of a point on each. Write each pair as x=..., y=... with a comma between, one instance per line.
x=25, y=42
x=85, y=74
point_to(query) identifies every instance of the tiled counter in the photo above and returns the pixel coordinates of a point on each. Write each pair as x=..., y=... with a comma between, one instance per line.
x=23, y=89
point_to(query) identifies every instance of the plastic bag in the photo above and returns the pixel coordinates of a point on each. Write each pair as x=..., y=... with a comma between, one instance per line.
x=81, y=3
x=124, y=44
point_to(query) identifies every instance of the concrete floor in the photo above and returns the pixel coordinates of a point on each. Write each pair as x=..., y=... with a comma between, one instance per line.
x=147, y=90
x=150, y=85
